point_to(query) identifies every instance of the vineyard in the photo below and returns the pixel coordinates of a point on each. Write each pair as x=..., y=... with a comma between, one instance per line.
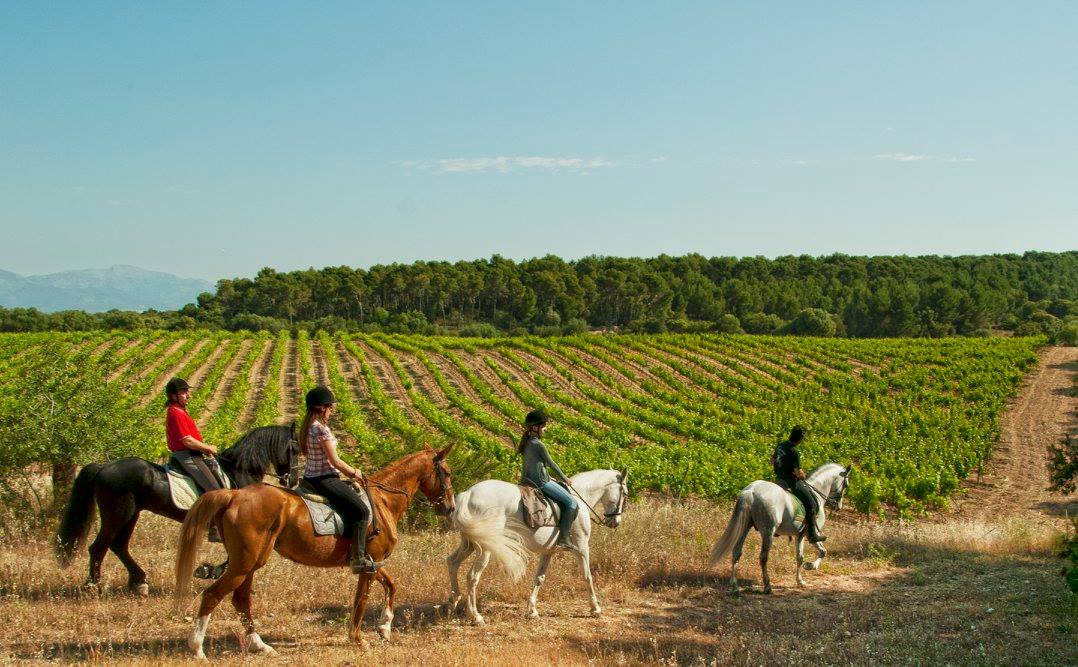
x=687, y=414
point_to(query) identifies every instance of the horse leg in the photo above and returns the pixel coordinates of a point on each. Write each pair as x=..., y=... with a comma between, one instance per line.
x=821, y=553
x=766, y=537
x=385, y=623
x=136, y=577
x=241, y=600
x=735, y=555
x=239, y=569
x=453, y=562
x=540, y=577
x=476, y=572
x=100, y=547
x=585, y=565
x=800, y=558
x=359, y=606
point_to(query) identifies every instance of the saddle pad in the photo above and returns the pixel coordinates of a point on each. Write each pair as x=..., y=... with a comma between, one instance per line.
x=539, y=511
x=183, y=489
x=324, y=518
x=799, y=513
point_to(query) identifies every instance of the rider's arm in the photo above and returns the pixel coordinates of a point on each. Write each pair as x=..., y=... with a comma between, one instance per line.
x=329, y=446
x=544, y=456
x=191, y=442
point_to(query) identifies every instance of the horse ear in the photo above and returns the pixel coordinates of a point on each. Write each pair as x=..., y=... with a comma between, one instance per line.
x=445, y=452
x=292, y=429
x=623, y=474
x=849, y=469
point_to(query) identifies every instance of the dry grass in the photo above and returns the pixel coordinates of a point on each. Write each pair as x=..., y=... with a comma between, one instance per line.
x=966, y=593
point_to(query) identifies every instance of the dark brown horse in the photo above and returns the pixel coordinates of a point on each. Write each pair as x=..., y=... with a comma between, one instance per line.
x=256, y=520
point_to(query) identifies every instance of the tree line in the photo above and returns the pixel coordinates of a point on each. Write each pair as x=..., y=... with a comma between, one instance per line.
x=835, y=295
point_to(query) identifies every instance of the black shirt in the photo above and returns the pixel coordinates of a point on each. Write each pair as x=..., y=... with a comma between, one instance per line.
x=787, y=460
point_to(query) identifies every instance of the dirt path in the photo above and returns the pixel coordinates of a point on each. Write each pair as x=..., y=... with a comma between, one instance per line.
x=256, y=383
x=288, y=406
x=1043, y=413
x=228, y=379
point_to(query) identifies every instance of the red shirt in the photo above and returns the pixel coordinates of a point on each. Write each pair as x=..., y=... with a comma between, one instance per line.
x=177, y=425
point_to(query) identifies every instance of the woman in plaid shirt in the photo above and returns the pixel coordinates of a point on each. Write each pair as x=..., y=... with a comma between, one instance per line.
x=324, y=472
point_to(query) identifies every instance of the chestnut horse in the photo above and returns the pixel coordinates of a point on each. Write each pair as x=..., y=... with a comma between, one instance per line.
x=256, y=520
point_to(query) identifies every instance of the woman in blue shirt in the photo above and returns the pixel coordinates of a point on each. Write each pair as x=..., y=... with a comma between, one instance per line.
x=536, y=462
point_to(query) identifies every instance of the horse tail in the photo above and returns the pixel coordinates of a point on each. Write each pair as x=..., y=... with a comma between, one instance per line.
x=504, y=542
x=78, y=515
x=204, y=512
x=737, y=526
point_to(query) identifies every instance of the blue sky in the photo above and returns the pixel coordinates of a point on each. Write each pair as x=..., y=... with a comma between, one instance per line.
x=210, y=141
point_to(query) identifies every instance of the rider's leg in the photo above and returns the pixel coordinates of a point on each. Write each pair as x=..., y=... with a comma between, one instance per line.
x=194, y=465
x=559, y=495
x=808, y=499
x=346, y=500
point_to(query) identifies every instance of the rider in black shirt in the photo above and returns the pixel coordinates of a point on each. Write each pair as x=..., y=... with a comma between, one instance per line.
x=788, y=472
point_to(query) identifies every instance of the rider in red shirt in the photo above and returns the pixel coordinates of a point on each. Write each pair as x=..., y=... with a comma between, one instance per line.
x=184, y=440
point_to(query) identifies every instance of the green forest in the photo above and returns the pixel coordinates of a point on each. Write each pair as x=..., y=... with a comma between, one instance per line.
x=835, y=295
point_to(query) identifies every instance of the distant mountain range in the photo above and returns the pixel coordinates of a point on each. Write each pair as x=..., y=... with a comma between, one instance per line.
x=97, y=290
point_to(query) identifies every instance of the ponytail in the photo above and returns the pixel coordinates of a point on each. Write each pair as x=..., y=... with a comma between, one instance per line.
x=305, y=428
x=529, y=431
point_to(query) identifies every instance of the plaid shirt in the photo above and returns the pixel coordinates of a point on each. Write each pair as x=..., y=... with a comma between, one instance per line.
x=318, y=437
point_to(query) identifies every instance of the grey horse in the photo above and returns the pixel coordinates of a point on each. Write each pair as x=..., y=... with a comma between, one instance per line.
x=770, y=509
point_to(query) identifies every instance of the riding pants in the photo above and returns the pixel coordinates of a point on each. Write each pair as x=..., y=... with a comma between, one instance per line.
x=565, y=501
x=808, y=499
x=345, y=499
x=205, y=472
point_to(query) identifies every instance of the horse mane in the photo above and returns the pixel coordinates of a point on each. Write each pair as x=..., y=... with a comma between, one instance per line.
x=821, y=469
x=397, y=466
x=259, y=449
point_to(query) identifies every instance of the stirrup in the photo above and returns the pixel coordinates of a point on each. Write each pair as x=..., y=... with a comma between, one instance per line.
x=365, y=565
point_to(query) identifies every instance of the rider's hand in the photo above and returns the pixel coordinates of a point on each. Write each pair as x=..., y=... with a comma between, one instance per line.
x=211, y=450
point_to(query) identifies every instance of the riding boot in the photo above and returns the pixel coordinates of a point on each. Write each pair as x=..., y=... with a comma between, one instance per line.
x=565, y=527
x=359, y=561
x=814, y=534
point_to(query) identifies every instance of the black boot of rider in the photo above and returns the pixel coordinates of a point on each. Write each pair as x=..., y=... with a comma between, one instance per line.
x=358, y=560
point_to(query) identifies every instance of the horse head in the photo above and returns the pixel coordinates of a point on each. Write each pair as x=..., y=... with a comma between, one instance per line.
x=436, y=483
x=614, y=499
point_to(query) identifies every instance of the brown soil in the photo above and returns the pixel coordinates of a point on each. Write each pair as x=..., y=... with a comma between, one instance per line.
x=1043, y=414
x=619, y=377
x=479, y=367
x=169, y=373
x=120, y=370
x=228, y=379
x=457, y=380
x=391, y=382
x=256, y=384
x=288, y=405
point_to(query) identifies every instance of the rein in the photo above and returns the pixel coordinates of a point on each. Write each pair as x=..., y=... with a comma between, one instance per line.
x=594, y=516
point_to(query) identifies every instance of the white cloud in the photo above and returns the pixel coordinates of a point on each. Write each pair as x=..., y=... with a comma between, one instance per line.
x=914, y=157
x=505, y=164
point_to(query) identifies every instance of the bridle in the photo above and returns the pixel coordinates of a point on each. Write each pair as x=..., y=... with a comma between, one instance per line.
x=443, y=481
x=833, y=499
x=285, y=478
x=607, y=519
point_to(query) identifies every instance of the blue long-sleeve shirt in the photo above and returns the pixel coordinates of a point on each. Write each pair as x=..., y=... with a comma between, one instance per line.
x=536, y=461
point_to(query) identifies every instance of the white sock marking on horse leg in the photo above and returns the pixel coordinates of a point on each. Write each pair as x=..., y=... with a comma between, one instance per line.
x=385, y=623
x=255, y=643
x=198, y=634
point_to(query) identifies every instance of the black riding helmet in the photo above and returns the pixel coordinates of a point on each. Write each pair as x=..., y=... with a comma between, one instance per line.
x=797, y=434
x=320, y=396
x=536, y=417
x=175, y=386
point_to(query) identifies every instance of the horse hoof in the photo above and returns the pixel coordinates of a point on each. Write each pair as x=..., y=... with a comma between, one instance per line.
x=478, y=620
x=203, y=571
x=142, y=590
x=384, y=633
x=534, y=613
x=596, y=613
x=767, y=590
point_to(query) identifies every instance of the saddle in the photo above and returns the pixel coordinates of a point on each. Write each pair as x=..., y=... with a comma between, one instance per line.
x=799, y=511
x=325, y=519
x=182, y=487
x=539, y=511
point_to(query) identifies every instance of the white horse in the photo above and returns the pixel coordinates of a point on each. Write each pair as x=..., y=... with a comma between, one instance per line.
x=770, y=509
x=490, y=519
